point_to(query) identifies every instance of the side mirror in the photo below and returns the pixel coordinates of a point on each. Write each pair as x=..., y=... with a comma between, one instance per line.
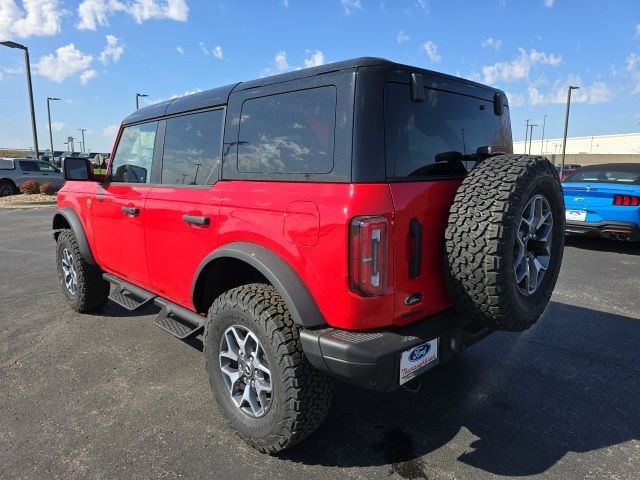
x=77, y=168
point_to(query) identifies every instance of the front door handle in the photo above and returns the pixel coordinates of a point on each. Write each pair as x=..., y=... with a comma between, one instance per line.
x=134, y=211
x=197, y=220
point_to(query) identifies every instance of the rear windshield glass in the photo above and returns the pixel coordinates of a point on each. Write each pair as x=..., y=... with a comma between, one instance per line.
x=444, y=135
x=605, y=176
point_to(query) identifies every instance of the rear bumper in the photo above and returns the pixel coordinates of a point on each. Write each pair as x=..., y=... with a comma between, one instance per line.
x=605, y=229
x=372, y=359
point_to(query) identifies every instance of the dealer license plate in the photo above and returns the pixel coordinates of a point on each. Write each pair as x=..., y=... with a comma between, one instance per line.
x=418, y=360
x=576, y=215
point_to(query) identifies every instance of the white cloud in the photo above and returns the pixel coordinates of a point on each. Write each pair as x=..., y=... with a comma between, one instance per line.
x=518, y=68
x=492, y=43
x=423, y=6
x=632, y=64
x=67, y=61
x=281, y=63
x=431, y=49
x=217, y=52
x=351, y=6
x=110, y=131
x=597, y=92
x=314, y=59
x=37, y=17
x=285, y=3
x=56, y=126
x=96, y=12
x=549, y=3
x=180, y=50
x=87, y=75
x=112, y=51
x=402, y=37
x=515, y=99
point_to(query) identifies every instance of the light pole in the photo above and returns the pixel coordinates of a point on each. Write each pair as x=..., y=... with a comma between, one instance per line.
x=566, y=128
x=526, y=132
x=49, y=99
x=544, y=122
x=138, y=95
x=531, y=125
x=82, y=130
x=33, y=113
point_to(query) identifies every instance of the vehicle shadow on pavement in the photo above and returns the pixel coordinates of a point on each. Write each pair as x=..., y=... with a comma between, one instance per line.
x=512, y=405
x=603, y=245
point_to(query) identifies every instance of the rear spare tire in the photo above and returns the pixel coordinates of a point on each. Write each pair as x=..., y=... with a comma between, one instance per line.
x=504, y=241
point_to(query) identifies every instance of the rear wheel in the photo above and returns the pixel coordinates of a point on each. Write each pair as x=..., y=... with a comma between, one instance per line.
x=504, y=241
x=81, y=282
x=263, y=384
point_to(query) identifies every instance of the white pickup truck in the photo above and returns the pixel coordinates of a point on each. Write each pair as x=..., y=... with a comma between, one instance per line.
x=15, y=171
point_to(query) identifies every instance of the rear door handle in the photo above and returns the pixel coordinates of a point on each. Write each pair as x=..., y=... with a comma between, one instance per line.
x=135, y=211
x=415, y=229
x=197, y=220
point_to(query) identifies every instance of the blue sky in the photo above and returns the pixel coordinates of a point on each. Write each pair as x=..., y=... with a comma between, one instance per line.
x=96, y=54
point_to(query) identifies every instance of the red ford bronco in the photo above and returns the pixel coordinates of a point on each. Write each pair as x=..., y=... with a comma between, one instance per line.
x=361, y=220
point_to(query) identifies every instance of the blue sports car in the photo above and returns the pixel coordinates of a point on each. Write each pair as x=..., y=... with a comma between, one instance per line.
x=604, y=200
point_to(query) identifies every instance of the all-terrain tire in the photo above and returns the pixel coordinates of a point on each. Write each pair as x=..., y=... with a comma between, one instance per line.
x=91, y=290
x=301, y=395
x=480, y=241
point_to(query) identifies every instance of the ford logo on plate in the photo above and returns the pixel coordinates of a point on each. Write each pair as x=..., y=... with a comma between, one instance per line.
x=413, y=299
x=419, y=352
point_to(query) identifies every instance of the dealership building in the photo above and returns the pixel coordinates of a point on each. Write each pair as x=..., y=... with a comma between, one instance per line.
x=627, y=143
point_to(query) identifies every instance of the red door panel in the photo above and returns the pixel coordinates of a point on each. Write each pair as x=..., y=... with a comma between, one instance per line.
x=118, y=226
x=174, y=246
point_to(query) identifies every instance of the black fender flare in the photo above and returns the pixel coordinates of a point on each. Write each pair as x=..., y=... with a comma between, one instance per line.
x=278, y=272
x=70, y=217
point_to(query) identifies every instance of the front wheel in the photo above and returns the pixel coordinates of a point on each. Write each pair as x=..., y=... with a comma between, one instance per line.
x=81, y=282
x=263, y=384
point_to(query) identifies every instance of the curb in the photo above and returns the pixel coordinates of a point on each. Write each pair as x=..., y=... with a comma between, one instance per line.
x=28, y=205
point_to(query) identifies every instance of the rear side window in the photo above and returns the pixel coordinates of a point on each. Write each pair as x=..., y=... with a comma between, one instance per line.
x=192, y=149
x=439, y=136
x=134, y=154
x=29, y=166
x=288, y=133
x=606, y=176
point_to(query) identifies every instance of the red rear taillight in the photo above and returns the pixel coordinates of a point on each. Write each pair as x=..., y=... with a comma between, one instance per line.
x=626, y=200
x=368, y=255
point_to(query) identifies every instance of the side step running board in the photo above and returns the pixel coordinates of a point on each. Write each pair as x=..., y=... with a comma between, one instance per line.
x=128, y=296
x=176, y=320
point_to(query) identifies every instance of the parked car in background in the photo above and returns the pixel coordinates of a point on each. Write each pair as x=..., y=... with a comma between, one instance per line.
x=569, y=168
x=604, y=200
x=58, y=163
x=15, y=171
x=50, y=157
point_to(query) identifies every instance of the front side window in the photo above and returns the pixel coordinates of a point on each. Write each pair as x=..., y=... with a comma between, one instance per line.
x=441, y=136
x=134, y=154
x=192, y=149
x=288, y=133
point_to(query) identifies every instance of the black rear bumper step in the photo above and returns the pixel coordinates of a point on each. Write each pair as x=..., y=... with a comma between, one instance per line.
x=176, y=320
x=372, y=359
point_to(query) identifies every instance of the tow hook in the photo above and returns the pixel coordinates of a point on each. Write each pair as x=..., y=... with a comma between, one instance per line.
x=412, y=386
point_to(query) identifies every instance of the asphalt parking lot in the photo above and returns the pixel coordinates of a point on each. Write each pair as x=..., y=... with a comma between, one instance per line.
x=112, y=396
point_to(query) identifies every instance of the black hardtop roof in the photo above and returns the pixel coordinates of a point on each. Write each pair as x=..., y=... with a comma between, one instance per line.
x=620, y=167
x=219, y=96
